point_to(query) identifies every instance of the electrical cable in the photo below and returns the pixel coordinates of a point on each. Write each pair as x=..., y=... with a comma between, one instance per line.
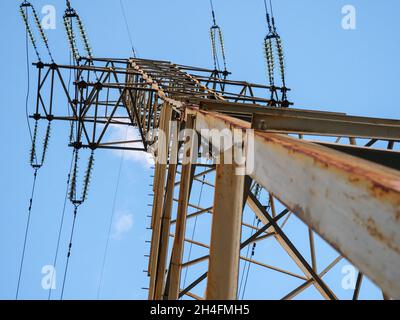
x=127, y=28
x=33, y=154
x=26, y=234
x=28, y=88
x=69, y=250
x=76, y=202
x=111, y=219
x=68, y=180
x=273, y=49
x=247, y=264
x=61, y=223
x=217, y=39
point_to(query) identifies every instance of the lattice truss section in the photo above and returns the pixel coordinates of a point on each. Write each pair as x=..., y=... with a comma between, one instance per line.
x=109, y=92
x=315, y=172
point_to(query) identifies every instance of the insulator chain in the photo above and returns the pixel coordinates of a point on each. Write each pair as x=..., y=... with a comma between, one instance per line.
x=273, y=49
x=24, y=13
x=221, y=42
x=217, y=40
x=269, y=57
x=281, y=58
x=34, y=160
x=274, y=53
x=71, y=132
x=84, y=37
x=86, y=180
x=214, y=48
x=71, y=38
x=69, y=16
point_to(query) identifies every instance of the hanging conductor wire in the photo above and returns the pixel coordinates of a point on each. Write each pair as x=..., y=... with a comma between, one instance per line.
x=36, y=165
x=273, y=50
x=76, y=201
x=61, y=223
x=247, y=264
x=217, y=41
x=113, y=207
x=71, y=20
x=69, y=249
x=35, y=162
x=26, y=235
x=127, y=28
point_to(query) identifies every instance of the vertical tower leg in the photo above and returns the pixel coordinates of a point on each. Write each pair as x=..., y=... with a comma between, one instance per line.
x=223, y=269
x=159, y=186
x=180, y=227
x=165, y=226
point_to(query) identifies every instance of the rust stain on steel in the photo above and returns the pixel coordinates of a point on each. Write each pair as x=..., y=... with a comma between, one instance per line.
x=383, y=183
x=374, y=231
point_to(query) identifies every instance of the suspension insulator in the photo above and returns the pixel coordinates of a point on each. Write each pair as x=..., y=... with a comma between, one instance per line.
x=28, y=29
x=86, y=180
x=69, y=16
x=72, y=192
x=71, y=131
x=42, y=34
x=84, y=37
x=213, y=47
x=32, y=157
x=221, y=40
x=46, y=142
x=71, y=37
x=269, y=61
x=279, y=49
x=88, y=175
x=39, y=27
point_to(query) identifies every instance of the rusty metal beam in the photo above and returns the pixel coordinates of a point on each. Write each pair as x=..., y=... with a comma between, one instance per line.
x=305, y=121
x=159, y=190
x=247, y=110
x=352, y=203
x=165, y=224
x=320, y=126
x=223, y=270
x=384, y=157
x=180, y=228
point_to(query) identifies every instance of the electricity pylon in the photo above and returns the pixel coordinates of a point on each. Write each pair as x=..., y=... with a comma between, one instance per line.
x=326, y=171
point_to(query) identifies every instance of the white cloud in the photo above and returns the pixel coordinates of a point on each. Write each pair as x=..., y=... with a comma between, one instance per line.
x=121, y=133
x=122, y=224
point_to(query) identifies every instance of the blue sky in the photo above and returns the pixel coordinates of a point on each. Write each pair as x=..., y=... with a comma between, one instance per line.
x=328, y=68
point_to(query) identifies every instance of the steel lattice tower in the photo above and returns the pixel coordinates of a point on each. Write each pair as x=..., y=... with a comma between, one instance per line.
x=345, y=190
